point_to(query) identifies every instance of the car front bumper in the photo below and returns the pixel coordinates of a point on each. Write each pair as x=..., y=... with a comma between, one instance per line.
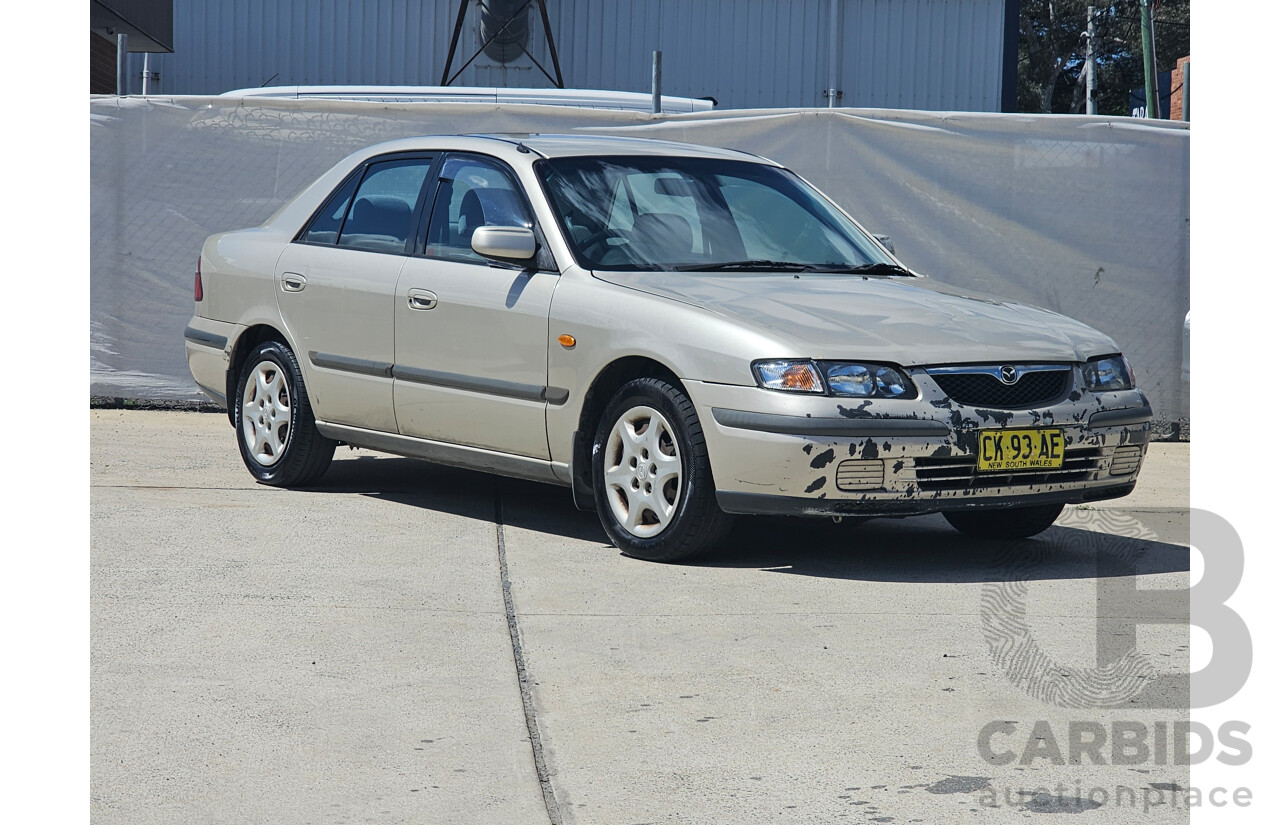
x=779, y=453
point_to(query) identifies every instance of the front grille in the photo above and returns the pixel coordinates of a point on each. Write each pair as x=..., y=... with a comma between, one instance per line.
x=960, y=473
x=1125, y=460
x=983, y=390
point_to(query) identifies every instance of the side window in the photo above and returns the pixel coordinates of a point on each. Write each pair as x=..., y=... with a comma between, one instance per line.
x=326, y=225
x=473, y=192
x=381, y=214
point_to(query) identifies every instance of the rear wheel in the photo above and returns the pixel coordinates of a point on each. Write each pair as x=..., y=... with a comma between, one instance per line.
x=275, y=427
x=1013, y=523
x=653, y=487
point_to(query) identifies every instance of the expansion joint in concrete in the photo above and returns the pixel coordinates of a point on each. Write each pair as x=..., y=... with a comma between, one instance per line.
x=522, y=672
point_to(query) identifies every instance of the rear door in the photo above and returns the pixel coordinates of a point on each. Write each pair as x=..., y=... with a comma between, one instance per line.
x=336, y=283
x=471, y=334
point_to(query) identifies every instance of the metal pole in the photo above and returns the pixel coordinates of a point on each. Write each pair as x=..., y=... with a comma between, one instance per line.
x=551, y=43
x=146, y=73
x=657, y=82
x=453, y=42
x=122, y=64
x=833, y=45
x=1091, y=70
x=1149, y=61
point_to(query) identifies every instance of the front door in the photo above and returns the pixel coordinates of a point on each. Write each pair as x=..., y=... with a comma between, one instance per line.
x=470, y=333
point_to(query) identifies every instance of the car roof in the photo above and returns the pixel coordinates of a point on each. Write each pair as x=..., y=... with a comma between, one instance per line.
x=571, y=145
x=516, y=149
x=553, y=146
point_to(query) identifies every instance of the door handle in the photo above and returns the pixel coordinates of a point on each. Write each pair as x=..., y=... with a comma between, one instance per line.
x=422, y=299
x=293, y=282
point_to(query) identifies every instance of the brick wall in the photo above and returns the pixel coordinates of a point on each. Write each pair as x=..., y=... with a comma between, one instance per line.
x=1175, y=89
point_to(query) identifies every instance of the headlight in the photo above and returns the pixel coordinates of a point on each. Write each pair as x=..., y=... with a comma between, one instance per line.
x=868, y=381
x=852, y=380
x=1108, y=374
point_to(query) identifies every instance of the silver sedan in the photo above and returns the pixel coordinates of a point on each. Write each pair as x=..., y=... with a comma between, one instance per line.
x=676, y=333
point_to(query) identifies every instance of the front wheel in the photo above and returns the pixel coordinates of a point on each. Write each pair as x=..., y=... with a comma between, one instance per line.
x=275, y=427
x=1013, y=523
x=653, y=486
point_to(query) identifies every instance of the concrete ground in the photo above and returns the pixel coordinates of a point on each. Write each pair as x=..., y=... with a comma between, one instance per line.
x=411, y=643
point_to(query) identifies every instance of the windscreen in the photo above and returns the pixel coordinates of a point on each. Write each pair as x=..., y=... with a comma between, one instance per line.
x=664, y=213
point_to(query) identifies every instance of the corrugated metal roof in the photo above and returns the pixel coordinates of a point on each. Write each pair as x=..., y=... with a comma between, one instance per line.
x=922, y=54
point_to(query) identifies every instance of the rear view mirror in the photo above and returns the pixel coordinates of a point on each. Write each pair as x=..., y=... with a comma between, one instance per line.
x=886, y=242
x=675, y=187
x=504, y=243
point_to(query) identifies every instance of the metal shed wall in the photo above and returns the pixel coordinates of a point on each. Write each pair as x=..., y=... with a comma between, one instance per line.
x=917, y=54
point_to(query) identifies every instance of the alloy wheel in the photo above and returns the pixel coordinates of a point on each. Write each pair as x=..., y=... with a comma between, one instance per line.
x=265, y=413
x=642, y=471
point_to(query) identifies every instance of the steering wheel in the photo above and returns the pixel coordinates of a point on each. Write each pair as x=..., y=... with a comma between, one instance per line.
x=600, y=238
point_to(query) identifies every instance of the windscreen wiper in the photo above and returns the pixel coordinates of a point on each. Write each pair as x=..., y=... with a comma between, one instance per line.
x=758, y=265
x=864, y=269
x=754, y=265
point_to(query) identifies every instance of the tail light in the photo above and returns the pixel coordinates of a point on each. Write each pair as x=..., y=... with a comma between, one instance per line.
x=199, y=283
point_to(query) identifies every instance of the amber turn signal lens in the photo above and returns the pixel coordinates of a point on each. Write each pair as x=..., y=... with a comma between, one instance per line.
x=799, y=377
x=567, y=340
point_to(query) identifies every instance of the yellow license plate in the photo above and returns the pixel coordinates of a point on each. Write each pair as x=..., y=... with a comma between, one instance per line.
x=1020, y=449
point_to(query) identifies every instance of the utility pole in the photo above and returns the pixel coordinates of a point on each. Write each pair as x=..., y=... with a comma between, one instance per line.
x=1149, y=60
x=1091, y=69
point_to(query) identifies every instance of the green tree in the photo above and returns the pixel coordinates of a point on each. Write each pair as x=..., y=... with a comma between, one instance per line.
x=1051, y=51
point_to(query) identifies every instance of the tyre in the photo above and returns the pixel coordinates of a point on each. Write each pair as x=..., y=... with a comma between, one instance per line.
x=275, y=427
x=653, y=487
x=1013, y=523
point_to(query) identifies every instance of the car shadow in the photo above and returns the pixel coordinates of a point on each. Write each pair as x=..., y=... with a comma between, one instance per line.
x=927, y=549
x=460, y=492
x=922, y=549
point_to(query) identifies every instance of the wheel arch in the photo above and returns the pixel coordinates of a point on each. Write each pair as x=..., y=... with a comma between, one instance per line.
x=245, y=343
x=607, y=382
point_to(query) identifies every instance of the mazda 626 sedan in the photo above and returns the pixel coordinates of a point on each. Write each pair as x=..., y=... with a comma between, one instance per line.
x=674, y=332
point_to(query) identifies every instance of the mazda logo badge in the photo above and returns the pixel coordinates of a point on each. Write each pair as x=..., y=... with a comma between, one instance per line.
x=1009, y=375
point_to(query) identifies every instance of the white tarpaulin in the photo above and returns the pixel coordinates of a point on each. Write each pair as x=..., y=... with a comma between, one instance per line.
x=1087, y=216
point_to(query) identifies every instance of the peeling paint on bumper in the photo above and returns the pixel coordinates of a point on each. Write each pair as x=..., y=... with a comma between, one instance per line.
x=928, y=446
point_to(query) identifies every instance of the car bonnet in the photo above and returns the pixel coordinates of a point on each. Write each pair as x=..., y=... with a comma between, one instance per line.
x=904, y=320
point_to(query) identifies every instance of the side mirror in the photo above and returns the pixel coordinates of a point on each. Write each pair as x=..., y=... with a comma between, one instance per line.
x=505, y=243
x=886, y=242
